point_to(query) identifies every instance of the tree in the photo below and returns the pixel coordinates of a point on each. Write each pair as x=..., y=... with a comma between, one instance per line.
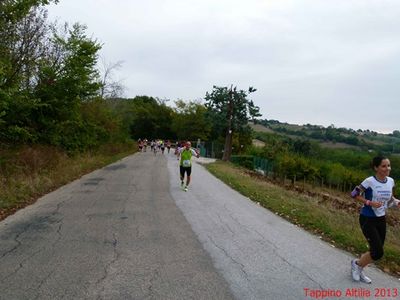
x=49, y=83
x=23, y=31
x=396, y=133
x=145, y=117
x=67, y=78
x=110, y=88
x=189, y=122
x=235, y=110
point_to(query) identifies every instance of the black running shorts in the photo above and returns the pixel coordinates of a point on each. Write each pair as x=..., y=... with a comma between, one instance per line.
x=188, y=171
x=374, y=230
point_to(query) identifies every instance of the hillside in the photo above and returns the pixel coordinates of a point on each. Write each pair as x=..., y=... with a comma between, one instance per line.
x=333, y=137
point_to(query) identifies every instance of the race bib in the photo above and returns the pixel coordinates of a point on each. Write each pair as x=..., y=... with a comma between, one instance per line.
x=186, y=163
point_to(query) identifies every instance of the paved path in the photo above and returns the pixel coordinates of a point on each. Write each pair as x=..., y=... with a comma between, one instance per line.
x=114, y=234
x=127, y=231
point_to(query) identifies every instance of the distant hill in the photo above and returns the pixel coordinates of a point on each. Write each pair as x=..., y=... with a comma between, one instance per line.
x=332, y=136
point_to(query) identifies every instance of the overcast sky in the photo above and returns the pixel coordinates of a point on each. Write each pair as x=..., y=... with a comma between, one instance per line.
x=311, y=61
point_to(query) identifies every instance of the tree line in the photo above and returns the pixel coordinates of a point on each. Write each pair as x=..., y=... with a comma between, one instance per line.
x=363, y=139
x=52, y=92
x=149, y=117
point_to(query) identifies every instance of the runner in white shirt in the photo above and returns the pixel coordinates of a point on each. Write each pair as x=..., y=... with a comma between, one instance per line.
x=376, y=193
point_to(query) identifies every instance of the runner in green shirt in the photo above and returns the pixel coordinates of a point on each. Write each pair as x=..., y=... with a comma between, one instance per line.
x=185, y=164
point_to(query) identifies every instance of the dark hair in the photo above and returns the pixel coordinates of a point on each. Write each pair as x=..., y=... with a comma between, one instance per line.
x=376, y=161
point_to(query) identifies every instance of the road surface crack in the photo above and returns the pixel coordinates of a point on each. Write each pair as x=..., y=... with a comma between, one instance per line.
x=41, y=284
x=275, y=249
x=241, y=266
x=116, y=255
x=156, y=274
x=226, y=225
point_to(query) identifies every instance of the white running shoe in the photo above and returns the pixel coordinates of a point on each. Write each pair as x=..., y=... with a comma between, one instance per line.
x=355, y=270
x=364, y=278
x=186, y=188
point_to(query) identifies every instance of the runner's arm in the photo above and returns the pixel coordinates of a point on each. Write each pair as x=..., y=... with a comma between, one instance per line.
x=194, y=152
x=393, y=202
x=357, y=194
x=178, y=152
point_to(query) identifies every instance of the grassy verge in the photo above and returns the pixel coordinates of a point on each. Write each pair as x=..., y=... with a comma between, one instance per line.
x=339, y=227
x=28, y=172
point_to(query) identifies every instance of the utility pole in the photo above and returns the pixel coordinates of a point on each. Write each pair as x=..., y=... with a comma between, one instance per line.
x=228, y=138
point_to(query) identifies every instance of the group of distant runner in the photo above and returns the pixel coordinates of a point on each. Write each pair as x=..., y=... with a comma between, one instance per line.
x=183, y=151
x=155, y=145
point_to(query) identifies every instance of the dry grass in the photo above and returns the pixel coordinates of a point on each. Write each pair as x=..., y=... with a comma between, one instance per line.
x=28, y=172
x=260, y=128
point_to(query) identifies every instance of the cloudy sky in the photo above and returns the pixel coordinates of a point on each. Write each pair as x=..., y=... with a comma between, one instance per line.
x=311, y=61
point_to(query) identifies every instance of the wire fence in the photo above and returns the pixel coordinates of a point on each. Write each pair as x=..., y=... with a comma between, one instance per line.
x=276, y=173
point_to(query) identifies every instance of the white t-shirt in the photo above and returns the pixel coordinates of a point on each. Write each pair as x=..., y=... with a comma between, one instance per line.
x=377, y=191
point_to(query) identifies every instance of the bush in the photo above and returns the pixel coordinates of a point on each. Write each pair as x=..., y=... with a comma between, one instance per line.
x=246, y=161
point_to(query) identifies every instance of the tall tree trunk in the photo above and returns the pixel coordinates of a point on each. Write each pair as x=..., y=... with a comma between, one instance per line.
x=228, y=146
x=228, y=138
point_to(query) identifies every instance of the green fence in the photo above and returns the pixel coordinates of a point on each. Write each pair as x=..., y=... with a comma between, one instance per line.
x=263, y=165
x=267, y=168
x=251, y=162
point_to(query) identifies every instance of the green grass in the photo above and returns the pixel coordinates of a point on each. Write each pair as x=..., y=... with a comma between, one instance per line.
x=337, y=226
x=28, y=172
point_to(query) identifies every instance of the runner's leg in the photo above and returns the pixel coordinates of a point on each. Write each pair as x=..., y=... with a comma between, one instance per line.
x=188, y=173
x=182, y=175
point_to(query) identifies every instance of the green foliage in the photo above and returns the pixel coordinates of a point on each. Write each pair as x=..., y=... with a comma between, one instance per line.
x=49, y=92
x=246, y=161
x=232, y=102
x=190, y=122
x=242, y=140
x=11, y=11
x=363, y=140
x=152, y=118
x=230, y=111
x=302, y=159
x=97, y=124
x=295, y=167
x=65, y=88
x=43, y=91
x=145, y=117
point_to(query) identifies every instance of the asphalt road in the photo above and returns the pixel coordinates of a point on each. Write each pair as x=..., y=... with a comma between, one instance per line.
x=113, y=234
x=128, y=231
